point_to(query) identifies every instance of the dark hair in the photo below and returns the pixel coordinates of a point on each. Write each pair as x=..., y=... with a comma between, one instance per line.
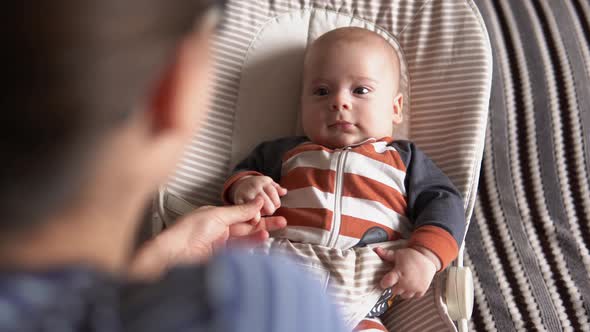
x=70, y=71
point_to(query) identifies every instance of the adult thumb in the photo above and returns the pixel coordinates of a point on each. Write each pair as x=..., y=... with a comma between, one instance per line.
x=235, y=214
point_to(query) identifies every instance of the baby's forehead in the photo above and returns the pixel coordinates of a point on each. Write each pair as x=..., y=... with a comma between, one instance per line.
x=353, y=37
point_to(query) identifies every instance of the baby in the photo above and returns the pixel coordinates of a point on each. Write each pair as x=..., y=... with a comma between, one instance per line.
x=348, y=183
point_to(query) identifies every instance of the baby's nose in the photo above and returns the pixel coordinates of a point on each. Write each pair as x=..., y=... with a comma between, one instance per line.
x=339, y=104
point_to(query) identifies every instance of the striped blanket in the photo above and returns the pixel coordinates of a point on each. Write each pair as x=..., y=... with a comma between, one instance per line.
x=530, y=234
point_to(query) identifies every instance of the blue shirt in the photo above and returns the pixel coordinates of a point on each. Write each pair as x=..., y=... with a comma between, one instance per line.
x=232, y=293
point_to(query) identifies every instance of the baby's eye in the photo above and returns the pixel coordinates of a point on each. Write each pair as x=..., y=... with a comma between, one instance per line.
x=320, y=92
x=361, y=90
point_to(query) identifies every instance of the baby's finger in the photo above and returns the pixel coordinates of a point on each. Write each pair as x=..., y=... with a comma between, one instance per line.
x=268, y=208
x=280, y=190
x=397, y=290
x=385, y=254
x=244, y=197
x=407, y=295
x=271, y=192
x=390, y=279
x=250, y=195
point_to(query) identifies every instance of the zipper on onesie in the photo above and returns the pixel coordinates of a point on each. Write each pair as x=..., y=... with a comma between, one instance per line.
x=336, y=218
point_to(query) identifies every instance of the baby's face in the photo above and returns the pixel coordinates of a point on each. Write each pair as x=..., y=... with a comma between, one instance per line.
x=349, y=93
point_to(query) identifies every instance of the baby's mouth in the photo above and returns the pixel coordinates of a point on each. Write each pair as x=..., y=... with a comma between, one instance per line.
x=341, y=125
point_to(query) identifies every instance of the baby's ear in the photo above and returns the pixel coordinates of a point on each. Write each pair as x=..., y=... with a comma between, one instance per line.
x=398, y=105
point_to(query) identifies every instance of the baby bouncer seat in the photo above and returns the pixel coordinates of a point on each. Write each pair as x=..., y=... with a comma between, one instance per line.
x=446, y=65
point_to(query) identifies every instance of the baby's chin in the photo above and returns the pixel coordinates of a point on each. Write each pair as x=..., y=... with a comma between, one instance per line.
x=338, y=142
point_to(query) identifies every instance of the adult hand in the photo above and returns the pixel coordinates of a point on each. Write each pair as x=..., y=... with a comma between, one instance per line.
x=248, y=188
x=412, y=271
x=194, y=237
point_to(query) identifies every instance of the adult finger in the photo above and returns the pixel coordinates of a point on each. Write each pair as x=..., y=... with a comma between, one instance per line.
x=205, y=207
x=385, y=254
x=229, y=215
x=266, y=224
x=273, y=223
x=256, y=218
x=248, y=240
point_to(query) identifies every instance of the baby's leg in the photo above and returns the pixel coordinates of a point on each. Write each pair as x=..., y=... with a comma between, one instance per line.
x=370, y=325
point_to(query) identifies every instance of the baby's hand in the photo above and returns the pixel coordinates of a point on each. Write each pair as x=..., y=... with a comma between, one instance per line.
x=247, y=188
x=413, y=270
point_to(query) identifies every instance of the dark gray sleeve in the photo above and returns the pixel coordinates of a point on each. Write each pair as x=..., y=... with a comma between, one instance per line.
x=266, y=157
x=432, y=197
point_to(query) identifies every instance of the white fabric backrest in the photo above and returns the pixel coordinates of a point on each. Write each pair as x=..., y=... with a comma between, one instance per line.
x=448, y=56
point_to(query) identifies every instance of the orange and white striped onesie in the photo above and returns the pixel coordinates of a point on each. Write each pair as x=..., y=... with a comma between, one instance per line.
x=371, y=192
x=374, y=191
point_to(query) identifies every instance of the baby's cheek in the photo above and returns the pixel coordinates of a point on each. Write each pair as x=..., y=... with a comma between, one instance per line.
x=312, y=124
